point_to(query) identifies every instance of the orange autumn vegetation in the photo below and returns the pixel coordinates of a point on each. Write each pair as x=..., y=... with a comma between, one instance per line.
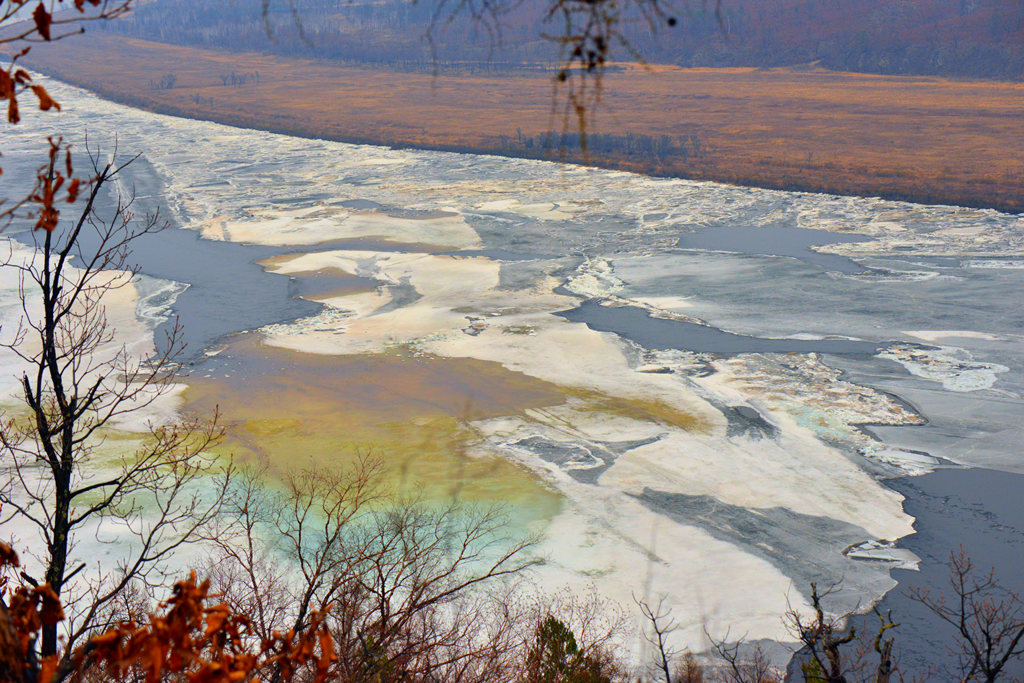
x=925, y=139
x=193, y=636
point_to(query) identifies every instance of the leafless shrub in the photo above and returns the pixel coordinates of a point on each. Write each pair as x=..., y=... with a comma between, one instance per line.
x=988, y=619
x=397, y=579
x=743, y=665
x=662, y=625
x=832, y=651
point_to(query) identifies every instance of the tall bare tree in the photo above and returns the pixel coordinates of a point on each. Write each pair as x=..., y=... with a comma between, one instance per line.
x=58, y=476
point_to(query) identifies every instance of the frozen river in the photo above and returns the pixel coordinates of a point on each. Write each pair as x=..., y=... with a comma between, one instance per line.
x=690, y=389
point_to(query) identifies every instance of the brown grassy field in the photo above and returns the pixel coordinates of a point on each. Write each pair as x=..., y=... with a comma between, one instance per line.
x=920, y=138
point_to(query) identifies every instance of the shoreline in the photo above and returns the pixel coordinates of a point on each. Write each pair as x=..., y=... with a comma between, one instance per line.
x=926, y=198
x=916, y=139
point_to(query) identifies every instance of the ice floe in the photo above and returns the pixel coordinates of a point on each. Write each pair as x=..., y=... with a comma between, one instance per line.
x=935, y=335
x=322, y=224
x=954, y=367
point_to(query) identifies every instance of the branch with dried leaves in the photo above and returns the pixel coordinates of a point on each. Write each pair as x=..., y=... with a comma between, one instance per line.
x=48, y=20
x=190, y=636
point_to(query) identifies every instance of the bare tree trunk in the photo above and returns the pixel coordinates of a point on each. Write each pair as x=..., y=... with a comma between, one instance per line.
x=58, y=565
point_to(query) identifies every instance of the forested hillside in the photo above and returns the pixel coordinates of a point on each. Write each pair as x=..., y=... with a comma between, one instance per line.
x=972, y=38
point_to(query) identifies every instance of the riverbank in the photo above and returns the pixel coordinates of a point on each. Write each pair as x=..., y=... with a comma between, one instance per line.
x=921, y=139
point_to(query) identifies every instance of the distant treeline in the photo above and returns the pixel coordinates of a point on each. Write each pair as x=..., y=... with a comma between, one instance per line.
x=648, y=148
x=970, y=38
x=959, y=38
x=391, y=32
